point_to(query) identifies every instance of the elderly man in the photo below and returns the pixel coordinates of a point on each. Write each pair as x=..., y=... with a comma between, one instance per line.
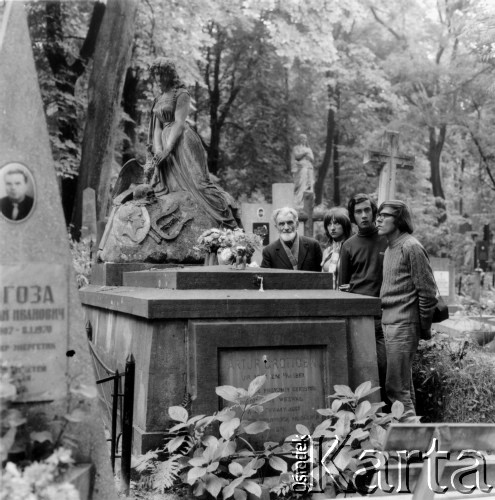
x=291, y=251
x=408, y=296
x=17, y=204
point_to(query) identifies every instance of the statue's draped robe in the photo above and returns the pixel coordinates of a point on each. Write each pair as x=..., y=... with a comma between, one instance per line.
x=186, y=168
x=302, y=172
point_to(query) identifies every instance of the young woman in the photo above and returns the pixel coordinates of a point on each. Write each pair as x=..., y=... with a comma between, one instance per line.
x=337, y=228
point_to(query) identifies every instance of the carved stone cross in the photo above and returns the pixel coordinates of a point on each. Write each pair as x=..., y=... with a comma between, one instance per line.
x=388, y=159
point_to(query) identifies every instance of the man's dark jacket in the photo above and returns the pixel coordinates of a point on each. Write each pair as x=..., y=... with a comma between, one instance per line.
x=310, y=255
x=24, y=207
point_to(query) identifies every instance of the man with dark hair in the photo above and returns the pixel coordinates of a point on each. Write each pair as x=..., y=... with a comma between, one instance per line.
x=17, y=204
x=408, y=296
x=361, y=259
x=291, y=251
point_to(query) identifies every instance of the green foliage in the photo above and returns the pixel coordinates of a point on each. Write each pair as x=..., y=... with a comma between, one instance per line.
x=453, y=380
x=81, y=259
x=216, y=465
x=210, y=454
x=355, y=422
x=261, y=73
x=57, y=41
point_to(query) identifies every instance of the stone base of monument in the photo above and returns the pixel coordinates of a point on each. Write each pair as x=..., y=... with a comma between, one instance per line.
x=193, y=329
x=111, y=273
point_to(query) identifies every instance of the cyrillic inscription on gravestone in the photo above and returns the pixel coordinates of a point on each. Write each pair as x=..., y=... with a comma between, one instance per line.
x=297, y=373
x=34, y=326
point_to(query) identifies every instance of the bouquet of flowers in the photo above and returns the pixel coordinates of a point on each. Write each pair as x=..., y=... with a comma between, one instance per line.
x=237, y=242
x=209, y=241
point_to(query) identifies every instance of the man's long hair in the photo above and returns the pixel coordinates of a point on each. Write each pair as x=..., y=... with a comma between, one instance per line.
x=359, y=198
x=402, y=215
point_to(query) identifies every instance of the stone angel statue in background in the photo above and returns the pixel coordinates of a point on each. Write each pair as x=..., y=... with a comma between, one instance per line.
x=302, y=169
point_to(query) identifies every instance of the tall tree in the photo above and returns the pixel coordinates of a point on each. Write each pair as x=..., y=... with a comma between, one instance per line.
x=110, y=64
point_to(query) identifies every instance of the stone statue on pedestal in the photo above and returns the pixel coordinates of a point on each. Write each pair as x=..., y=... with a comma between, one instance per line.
x=160, y=209
x=302, y=170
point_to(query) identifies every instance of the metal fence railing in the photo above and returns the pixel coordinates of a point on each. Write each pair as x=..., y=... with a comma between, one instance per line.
x=114, y=402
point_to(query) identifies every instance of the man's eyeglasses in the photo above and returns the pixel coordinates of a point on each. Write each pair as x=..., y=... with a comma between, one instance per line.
x=384, y=215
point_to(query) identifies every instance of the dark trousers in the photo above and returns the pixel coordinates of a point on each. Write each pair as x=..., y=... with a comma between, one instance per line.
x=381, y=358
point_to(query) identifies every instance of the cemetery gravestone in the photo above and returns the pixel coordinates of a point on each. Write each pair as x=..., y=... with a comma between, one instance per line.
x=40, y=318
x=482, y=254
x=444, y=273
x=89, y=224
x=256, y=217
x=194, y=329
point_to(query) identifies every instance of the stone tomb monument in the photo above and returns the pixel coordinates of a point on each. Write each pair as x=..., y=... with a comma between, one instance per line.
x=193, y=329
x=41, y=324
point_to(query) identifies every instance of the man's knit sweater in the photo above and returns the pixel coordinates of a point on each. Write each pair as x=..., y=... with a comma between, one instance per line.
x=361, y=259
x=408, y=292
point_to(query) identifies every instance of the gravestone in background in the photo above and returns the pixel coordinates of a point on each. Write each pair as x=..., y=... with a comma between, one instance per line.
x=444, y=273
x=257, y=216
x=41, y=317
x=89, y=224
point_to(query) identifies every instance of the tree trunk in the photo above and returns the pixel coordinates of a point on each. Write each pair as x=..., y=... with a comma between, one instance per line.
x=286, y=122
x=336, y=170
x=214, y=91
x=130, y=100
x=325, y=164
x=111, y=59
x=434, y=153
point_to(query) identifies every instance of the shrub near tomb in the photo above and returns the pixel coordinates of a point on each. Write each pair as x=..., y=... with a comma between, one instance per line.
x=352, y=424
x=222, y=463
x=454, y=381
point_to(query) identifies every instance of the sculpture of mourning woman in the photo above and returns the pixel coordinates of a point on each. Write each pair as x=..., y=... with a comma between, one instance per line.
x=179, y=156
x=302, y=170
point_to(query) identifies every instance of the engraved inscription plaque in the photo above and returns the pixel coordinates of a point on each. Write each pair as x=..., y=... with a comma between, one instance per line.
x=34, y=326
x=296, y=373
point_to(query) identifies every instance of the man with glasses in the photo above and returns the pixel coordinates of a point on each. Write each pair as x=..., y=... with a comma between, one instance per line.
x=408, y=296
x=361, y=260
x=291, y=251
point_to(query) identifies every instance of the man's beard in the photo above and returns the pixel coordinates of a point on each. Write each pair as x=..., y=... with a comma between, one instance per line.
x=288, y=236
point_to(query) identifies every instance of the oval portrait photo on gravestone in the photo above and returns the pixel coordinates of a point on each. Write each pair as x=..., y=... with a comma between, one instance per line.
x=17, y=192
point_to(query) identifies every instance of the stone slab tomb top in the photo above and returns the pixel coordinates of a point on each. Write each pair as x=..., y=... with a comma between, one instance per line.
x=226, y=278
x=214, y=292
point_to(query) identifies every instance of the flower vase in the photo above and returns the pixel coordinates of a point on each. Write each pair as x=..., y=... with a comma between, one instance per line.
x=211, y=259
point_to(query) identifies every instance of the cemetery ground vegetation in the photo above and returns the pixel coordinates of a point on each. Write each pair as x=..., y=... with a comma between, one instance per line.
x=211, y=457
x=453, y=379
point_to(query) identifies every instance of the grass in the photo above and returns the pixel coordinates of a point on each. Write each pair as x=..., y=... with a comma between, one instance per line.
x=454, y=381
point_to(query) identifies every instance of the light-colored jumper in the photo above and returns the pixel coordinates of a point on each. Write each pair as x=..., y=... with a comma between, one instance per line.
x=408, y=292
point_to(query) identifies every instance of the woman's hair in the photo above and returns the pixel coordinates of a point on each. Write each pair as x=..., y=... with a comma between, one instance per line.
x=163, y=66
x=359, y=198
x=339, y=215
x=402, y=215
